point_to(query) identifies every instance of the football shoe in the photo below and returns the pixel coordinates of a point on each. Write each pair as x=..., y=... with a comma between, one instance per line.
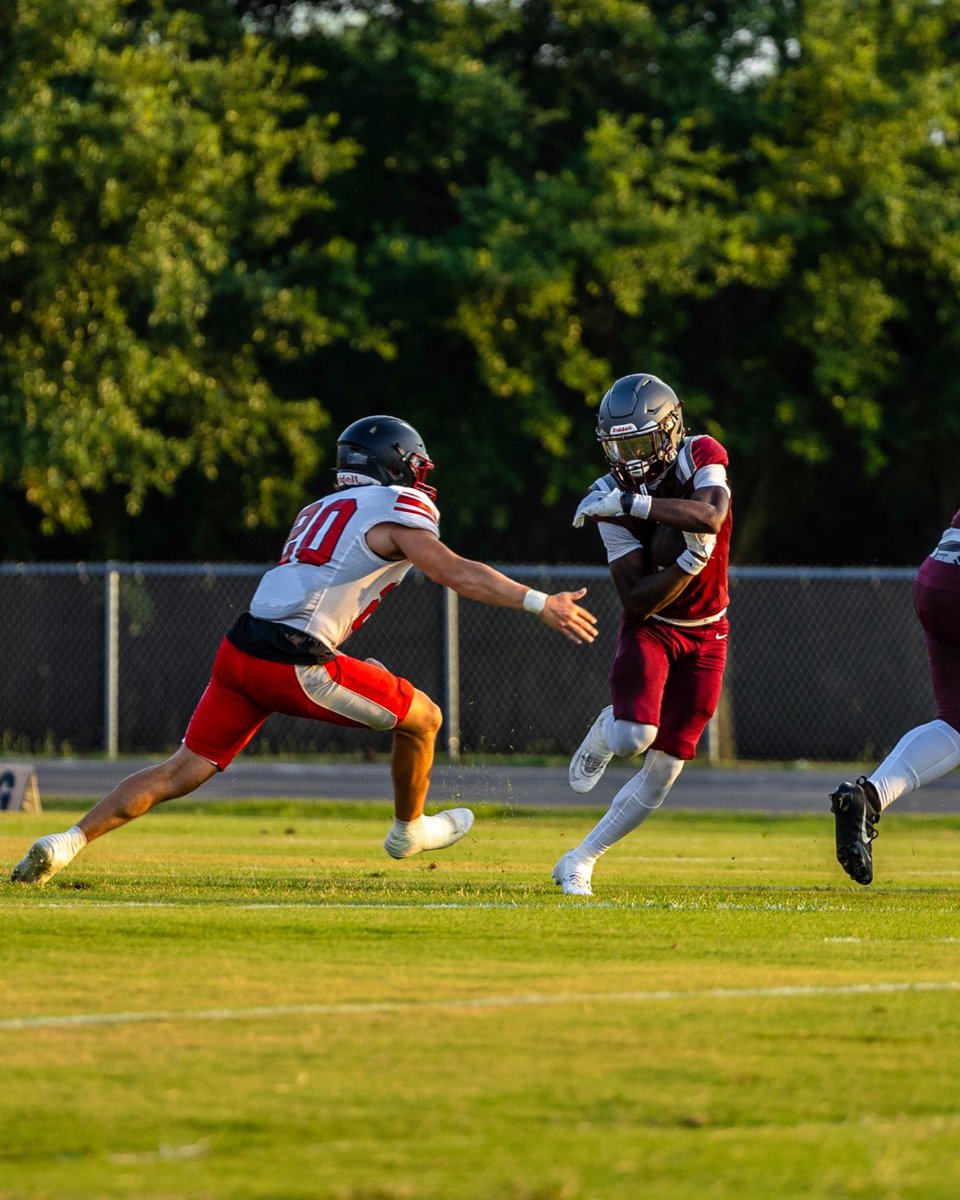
x=590, y=760
x=45, y=858
x=428, y=833
x=573, y=875
x=855, y=815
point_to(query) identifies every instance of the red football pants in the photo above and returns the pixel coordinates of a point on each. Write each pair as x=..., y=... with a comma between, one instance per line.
x=243, y=691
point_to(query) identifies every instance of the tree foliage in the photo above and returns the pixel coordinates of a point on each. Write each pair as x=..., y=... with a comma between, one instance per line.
x=156, y=268
x=229, y=232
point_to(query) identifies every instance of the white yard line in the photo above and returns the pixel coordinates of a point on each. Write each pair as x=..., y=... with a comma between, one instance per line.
x=422, y=905
x=478, y=1003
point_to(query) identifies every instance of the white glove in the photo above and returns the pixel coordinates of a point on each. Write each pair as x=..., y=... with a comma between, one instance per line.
x=697, y=554
x=614, y=503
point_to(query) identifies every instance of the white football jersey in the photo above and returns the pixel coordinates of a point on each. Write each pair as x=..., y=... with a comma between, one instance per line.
x=329, y=581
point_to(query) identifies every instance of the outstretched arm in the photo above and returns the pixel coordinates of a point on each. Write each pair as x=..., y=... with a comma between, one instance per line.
x=477, y=581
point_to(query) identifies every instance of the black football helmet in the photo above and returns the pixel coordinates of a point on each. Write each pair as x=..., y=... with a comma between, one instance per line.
x=640, y=427
x=382, y=450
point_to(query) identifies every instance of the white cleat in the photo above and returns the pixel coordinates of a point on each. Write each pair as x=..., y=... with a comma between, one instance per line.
x=590, y=761
x=45, y=858
x=573, y=875
x=428, y=833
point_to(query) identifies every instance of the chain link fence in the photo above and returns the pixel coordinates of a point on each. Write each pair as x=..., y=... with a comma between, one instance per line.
x=824, y=664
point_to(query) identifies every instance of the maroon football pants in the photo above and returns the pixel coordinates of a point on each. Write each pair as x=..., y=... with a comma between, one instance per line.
x=671, y=677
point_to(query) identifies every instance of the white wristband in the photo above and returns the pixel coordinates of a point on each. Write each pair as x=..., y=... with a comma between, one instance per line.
x=640, y=506
x=534, y=601
x=689, y=562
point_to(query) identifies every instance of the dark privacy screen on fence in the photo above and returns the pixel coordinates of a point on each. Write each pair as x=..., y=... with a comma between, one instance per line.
x=825, y=663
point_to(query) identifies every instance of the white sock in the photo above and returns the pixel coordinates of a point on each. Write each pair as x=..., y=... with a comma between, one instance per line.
x=922, y=755
x=407, y=830
x=65, y=846
x=73, y=839
x=636, y=800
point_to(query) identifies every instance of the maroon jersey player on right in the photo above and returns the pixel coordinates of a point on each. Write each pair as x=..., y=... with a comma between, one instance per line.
x=668, y=669
x=929, y=751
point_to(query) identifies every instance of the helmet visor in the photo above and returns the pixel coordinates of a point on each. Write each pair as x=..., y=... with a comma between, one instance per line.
x=638, y=447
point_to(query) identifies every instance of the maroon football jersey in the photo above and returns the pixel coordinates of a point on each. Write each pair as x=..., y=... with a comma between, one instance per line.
x=940, y=566
x=707, y=594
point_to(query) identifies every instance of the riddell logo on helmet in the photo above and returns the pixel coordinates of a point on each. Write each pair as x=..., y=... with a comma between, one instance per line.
x=630, y=428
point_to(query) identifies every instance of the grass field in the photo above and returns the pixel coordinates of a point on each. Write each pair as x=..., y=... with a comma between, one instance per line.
x=256, y=1002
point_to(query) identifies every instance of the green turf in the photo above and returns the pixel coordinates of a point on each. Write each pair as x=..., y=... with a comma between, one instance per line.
x=729, y=1017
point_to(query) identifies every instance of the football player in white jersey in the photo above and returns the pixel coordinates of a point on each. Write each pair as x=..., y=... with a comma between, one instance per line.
x=343, y=554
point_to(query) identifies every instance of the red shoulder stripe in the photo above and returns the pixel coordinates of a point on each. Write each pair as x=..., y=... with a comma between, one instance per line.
x=416, y=512
x=413, y=503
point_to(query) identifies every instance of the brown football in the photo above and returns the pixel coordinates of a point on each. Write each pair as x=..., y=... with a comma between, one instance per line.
x=665, y=546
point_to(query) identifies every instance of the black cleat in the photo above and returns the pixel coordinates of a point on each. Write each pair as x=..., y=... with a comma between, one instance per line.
x=856, y=815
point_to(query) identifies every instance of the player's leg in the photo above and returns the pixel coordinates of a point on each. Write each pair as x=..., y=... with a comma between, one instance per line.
x=636, y=800
x=222, y=723
x=638, y=679
x=413, y=831
x=692, y=691
x=926, y=753
x=681, y=676
x=613, y=731
x=922, y=755
x=352, y=691
x=630, y=807
x=414, y=742
x=180, y=774
x=607, y=736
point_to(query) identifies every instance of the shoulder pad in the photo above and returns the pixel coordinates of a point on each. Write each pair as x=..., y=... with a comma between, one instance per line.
x=414, y=502
x=606, y=483
x=698, y=451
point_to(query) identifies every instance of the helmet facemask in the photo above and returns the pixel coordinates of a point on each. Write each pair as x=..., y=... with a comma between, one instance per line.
x=416, y=467
x=639, y=458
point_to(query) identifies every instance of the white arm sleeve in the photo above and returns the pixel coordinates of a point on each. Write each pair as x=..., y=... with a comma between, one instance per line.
x=617, y=540
x=712, y=475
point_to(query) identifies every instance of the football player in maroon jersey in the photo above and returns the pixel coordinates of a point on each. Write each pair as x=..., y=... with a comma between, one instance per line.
x=342, y=556
x=668, y=669
x=930, y=750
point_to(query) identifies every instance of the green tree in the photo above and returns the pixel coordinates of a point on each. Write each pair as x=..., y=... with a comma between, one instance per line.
x=756, y=200
x=158, y=290
x=483, y=211
x=856, y=183
x=521, y=201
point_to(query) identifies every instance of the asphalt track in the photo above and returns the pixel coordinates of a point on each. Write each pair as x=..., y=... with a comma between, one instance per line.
x=720, y=789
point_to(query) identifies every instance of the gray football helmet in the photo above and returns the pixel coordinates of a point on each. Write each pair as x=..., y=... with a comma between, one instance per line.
x=640, y=427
